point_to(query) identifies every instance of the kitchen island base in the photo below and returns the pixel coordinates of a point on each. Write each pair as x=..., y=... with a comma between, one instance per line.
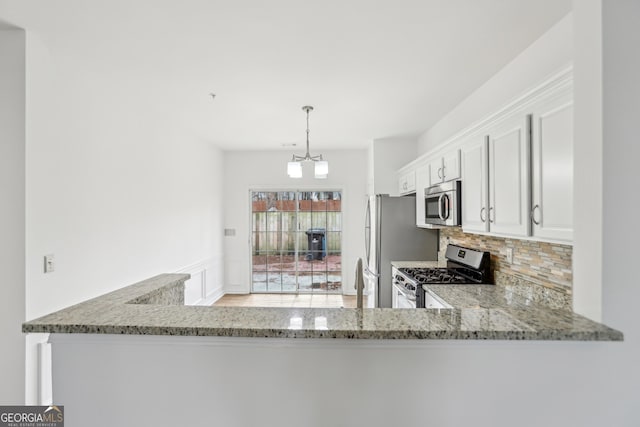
x=143, y=380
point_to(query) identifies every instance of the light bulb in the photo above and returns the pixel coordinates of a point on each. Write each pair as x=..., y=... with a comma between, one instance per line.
x=321, y=169
x=294, y=169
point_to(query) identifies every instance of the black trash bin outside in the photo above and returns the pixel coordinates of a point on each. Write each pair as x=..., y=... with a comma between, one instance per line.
x=317, y=244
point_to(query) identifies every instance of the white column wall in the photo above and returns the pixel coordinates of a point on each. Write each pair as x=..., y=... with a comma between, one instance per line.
x=587, y=159
x=12, y=214
x=620, y=173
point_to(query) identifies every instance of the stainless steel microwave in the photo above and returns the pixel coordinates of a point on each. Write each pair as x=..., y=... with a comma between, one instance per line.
x=442, y=204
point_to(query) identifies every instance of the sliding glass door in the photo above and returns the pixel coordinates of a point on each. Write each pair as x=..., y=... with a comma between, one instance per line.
x=296, y=241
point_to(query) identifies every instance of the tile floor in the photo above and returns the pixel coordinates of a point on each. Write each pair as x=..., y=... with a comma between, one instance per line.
x=287, y=300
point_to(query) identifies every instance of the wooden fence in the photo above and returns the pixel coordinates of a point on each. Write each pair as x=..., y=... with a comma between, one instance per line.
x=276, y=232
x=303, y=205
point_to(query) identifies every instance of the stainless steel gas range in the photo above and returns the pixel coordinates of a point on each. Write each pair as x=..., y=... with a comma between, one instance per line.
x=464, y=266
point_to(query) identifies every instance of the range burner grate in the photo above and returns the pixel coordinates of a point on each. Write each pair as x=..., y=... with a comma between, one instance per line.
x=424, y=276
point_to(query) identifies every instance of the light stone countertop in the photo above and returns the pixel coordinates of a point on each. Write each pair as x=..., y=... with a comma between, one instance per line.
x=155, y=307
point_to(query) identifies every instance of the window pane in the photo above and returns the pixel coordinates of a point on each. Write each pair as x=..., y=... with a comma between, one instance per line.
x=289, y=282
x=319, y=282
x=274, y=281
x=274, y=262
x=259, y=243
x=319, y=265
x=319, y=220
x=259, y=262
x=333, y=241
x=286, y=201
x=273, y=242
x=259, y=221
x=334, y=221
x=304, y=261
x=273, y=221
x=305, y=279
x=334, y=261
x=334, y=280
x=304, y=221
x=259, y=280
x=319, y=206
x=334, y=202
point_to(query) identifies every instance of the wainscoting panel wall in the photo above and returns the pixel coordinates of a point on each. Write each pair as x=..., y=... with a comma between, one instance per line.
x=206, y=283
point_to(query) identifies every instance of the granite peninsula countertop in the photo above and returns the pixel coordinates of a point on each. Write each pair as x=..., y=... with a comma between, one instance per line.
x=156, y=307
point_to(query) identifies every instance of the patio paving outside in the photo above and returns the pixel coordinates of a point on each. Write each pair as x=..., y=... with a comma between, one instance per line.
x=278, y=274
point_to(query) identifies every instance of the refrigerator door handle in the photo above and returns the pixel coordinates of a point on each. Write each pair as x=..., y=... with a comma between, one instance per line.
x=366, y=269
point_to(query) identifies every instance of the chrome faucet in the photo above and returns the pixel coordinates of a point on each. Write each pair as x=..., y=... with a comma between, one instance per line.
x=359, y=285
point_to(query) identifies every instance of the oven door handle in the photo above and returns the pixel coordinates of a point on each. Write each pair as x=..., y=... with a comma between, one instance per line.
x=405, y=294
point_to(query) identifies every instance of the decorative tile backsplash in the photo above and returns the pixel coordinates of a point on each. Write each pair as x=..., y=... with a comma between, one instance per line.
x=546, y=264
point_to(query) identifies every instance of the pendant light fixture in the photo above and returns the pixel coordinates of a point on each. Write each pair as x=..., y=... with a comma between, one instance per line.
x=321, y=167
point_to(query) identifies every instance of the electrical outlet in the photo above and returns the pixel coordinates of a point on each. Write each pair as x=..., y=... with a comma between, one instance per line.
x=49, y=263
x=509, y=255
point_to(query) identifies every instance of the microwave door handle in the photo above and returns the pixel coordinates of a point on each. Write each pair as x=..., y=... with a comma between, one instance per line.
x=440, y=207
x=448, y=205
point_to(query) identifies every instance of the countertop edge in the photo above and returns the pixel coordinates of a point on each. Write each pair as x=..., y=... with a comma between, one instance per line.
x=115, y=314
x=612, y=335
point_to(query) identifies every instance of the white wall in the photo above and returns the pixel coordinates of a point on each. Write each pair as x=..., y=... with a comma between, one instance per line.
x=12, y=210
x=550, y=53
x=114, y=189
x=267, y=170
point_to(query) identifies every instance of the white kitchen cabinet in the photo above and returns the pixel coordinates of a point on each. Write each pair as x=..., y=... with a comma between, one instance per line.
x=475, y=185
x=516, y=167
x=495, y=180
x=444, y=168
x=552, y=170
x=509, y=179
x=422, y=182
x=407, y=183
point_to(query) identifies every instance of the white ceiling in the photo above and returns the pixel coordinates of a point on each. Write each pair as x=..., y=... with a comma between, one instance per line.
x=372, y=69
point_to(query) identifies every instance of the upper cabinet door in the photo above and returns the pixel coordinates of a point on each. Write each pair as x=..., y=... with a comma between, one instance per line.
x=552, y=170
x=435, y=171
x=407, y=183
x=475, y=185
x=509, y=179
x=451, y=165
x=445, y=168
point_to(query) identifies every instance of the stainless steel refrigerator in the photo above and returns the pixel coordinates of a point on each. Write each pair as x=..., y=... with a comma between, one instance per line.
x=391, y=234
